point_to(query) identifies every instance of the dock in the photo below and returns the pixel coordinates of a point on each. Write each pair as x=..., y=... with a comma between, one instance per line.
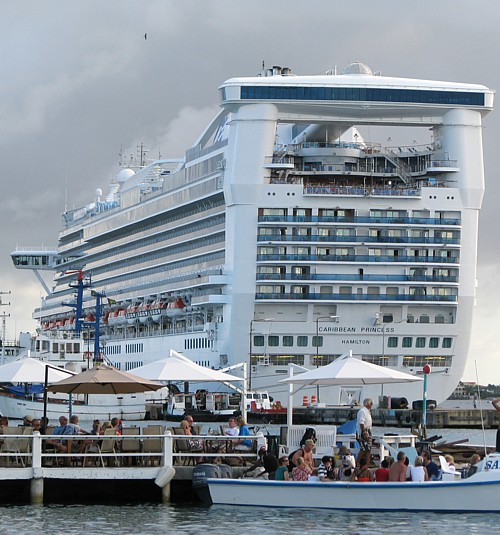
x=404, y=418
x=157, y=469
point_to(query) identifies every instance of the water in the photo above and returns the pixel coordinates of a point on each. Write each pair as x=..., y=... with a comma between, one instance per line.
x=152, y=519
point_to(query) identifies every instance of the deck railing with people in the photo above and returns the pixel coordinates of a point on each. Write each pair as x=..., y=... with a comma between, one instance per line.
x=155, y=446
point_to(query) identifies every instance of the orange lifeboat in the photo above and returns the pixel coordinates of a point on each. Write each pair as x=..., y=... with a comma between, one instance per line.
x=143, y=312
x=131, y=314
x=176, y=308
x=158, y=310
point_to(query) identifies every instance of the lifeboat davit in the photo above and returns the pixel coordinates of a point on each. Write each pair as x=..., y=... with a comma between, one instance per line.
x=176, y=308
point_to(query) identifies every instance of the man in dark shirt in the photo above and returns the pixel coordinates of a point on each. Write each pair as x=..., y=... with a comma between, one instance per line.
x=431, y=467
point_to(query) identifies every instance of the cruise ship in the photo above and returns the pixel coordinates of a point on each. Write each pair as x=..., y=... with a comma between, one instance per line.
x=315, y=215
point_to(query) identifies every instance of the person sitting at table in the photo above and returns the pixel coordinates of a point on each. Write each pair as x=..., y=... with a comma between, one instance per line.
x=62, y=429
x=193, y=443
x=232, y=430
x=37, y=425
x=116, y=424
x=4, y=422
x=243, y=444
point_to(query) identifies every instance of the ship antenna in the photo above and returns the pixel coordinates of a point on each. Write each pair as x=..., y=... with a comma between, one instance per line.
x=480, y=409
x=4, y=316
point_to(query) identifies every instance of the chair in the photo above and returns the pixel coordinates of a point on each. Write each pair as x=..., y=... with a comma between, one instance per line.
x=153, y=445
x=131, y=445
x=18, y=446
x=106, y=445
x=448, y=473
x=183, y=446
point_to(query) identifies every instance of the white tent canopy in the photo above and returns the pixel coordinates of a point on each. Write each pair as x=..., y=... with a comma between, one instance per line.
x=177, y=367
x=346, y=371
x=30, y=370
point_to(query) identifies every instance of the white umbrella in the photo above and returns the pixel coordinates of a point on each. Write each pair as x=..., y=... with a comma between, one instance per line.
x=30, y=370
x=348, y=370
x=177, y=367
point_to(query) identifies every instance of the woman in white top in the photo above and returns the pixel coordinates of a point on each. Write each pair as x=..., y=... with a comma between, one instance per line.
x=418, y=472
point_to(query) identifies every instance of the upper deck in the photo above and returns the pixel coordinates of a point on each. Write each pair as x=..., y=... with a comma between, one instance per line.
x=357, y=94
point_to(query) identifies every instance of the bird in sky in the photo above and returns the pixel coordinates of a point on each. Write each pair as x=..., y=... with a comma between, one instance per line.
x=145, y=36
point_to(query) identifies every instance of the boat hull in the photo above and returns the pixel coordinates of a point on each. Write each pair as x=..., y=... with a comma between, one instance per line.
x=97, y=408
x=476, y=494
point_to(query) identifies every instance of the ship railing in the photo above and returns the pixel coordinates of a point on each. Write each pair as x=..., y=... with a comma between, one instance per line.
x=133, y=449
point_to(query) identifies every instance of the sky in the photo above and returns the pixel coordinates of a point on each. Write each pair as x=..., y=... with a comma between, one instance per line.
x=80, y=83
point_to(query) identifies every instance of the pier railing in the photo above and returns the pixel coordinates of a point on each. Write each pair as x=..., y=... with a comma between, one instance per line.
x=121, y=451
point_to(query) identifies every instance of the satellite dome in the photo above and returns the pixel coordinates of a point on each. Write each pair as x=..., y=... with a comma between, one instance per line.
x=357, y=68
x=124, y=175
x=98, y=192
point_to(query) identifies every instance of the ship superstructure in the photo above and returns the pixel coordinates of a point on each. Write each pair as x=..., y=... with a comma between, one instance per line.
x=300, y=225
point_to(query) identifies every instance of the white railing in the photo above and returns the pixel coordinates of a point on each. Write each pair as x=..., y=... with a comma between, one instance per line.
x=36, y=451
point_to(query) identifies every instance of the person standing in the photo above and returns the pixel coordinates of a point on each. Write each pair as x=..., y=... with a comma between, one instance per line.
x=496, y=404
x=364, y=425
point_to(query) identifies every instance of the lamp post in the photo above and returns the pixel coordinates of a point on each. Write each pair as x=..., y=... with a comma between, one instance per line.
x=250, y=348
x=333, y=318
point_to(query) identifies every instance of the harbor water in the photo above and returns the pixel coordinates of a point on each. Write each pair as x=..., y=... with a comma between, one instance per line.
x=153, y=519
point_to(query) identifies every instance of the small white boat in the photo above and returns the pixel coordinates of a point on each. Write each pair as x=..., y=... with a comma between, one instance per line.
x=478, y=493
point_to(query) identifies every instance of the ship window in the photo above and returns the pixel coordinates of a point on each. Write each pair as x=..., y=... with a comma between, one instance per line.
x=392, y=290
x=446, y=343
x=273, y=211
x=407, y=341
x=300, y=290
x=264, y=231
x=55, y=347
x=302, y=341
x=273, y=341
x=362, y=94
x=373, y=290
x=300, y=270
x=392, y=341
x=345, y=232
x=424, y=318
x=288, y=341
x=317, y=341
x=433, y=342
x=258, y=341
x=345, y=290
x=439, y=319
x=301, y=232
x=420, y=342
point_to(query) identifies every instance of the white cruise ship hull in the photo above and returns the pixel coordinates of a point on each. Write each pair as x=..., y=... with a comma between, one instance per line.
x=301, y=225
